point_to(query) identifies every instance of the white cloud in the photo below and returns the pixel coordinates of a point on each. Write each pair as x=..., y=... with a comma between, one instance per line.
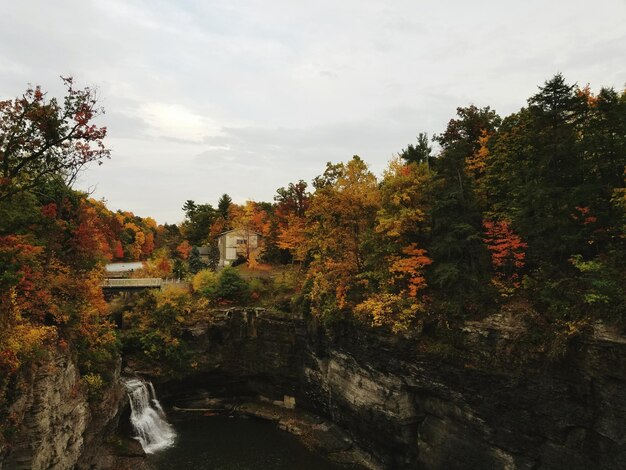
x=173, y=121
x=206, y=97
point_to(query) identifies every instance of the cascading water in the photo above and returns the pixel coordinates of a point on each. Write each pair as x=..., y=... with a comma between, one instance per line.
x=147, y=417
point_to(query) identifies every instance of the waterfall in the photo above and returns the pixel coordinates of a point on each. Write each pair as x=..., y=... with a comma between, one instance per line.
x=147, y=417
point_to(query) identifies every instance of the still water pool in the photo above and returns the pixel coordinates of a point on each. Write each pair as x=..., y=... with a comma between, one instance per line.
x=224, y=443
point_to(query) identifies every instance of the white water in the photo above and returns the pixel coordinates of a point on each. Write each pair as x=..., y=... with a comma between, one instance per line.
x=147, y=417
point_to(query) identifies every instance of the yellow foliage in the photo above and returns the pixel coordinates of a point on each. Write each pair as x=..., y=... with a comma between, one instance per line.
x=94, y=384
x=339, y=220
x=25, y=340
x=179, y=298
x=204, y=279
x=398, y=311
x=403, y=199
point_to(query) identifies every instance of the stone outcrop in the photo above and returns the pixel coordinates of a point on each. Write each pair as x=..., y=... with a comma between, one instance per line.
x=481, y=409
x=240, y=352
x=56, y=427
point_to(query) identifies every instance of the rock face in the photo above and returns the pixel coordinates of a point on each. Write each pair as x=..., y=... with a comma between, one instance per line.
x=242, y=351
x=480, y=409
x=413, y=410
x=56, y=427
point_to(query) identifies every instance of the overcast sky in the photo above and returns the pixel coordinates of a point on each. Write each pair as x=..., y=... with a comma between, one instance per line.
x=242, y=97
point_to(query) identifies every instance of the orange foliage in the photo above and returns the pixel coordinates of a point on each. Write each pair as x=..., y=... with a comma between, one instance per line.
x=90, y=237
x=409, y=269
x=507, y=250
x=477, y=163
x=292, y=236
x=148, y=246
x=184, y=249
x=249, y=219
x=587, y=95
x=49, y=210
x=118, y=250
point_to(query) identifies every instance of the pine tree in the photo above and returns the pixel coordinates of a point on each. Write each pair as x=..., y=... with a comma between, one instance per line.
x=461, y=262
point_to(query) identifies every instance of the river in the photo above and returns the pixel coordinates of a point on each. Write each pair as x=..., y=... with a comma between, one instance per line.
x=233, y=443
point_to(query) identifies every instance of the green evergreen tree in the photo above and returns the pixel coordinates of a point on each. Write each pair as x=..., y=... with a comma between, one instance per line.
x=460, y=270
x=223, y=205
x=195, y=262
x=420, y=153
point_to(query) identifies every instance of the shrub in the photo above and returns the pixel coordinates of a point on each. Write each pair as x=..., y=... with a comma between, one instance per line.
x=94, y=384
x=205, y=282
x=231, y=286
x=227, y=285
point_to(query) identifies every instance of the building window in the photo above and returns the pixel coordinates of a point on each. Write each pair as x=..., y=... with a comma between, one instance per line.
x=241, y=241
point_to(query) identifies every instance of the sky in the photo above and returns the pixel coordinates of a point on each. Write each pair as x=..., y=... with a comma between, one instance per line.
x=208, y=97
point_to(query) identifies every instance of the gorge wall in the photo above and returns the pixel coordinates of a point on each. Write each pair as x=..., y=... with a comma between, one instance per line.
x=55, y=425
x=414, y=410
x=483, y=409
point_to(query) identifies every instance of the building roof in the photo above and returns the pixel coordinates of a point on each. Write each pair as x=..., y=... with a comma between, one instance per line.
x=239, y=230
x=123, y=266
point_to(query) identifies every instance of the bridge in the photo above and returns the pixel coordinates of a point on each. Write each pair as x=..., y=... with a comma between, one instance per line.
x=113, y=284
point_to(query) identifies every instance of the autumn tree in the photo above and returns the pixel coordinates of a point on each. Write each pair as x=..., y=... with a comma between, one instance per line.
x=292, y=203
x=184, y=250
x=397, y=256
x=42, y=137
x=508, y=254
x=340, y=223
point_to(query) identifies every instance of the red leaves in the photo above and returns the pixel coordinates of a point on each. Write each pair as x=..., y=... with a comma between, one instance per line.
x=164, y=265
x=49, y=210
x=507, y=250
x=148, y=245
x=90, y=237
x=83, y=115
x=23, y=285
x=38, y=94
x=118, y=250
x=584, y=216
x=184, y=249
x=48, y=136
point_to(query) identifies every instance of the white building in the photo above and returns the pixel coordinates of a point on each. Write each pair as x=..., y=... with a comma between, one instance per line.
x=122, y=269
x=238, y=243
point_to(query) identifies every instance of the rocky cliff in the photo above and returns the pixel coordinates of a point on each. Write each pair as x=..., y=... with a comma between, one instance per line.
x=481, y=408
x=411, y=409
x=55, y=425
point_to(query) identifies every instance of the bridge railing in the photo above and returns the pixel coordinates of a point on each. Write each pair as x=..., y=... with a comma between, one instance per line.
x=138, y=283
